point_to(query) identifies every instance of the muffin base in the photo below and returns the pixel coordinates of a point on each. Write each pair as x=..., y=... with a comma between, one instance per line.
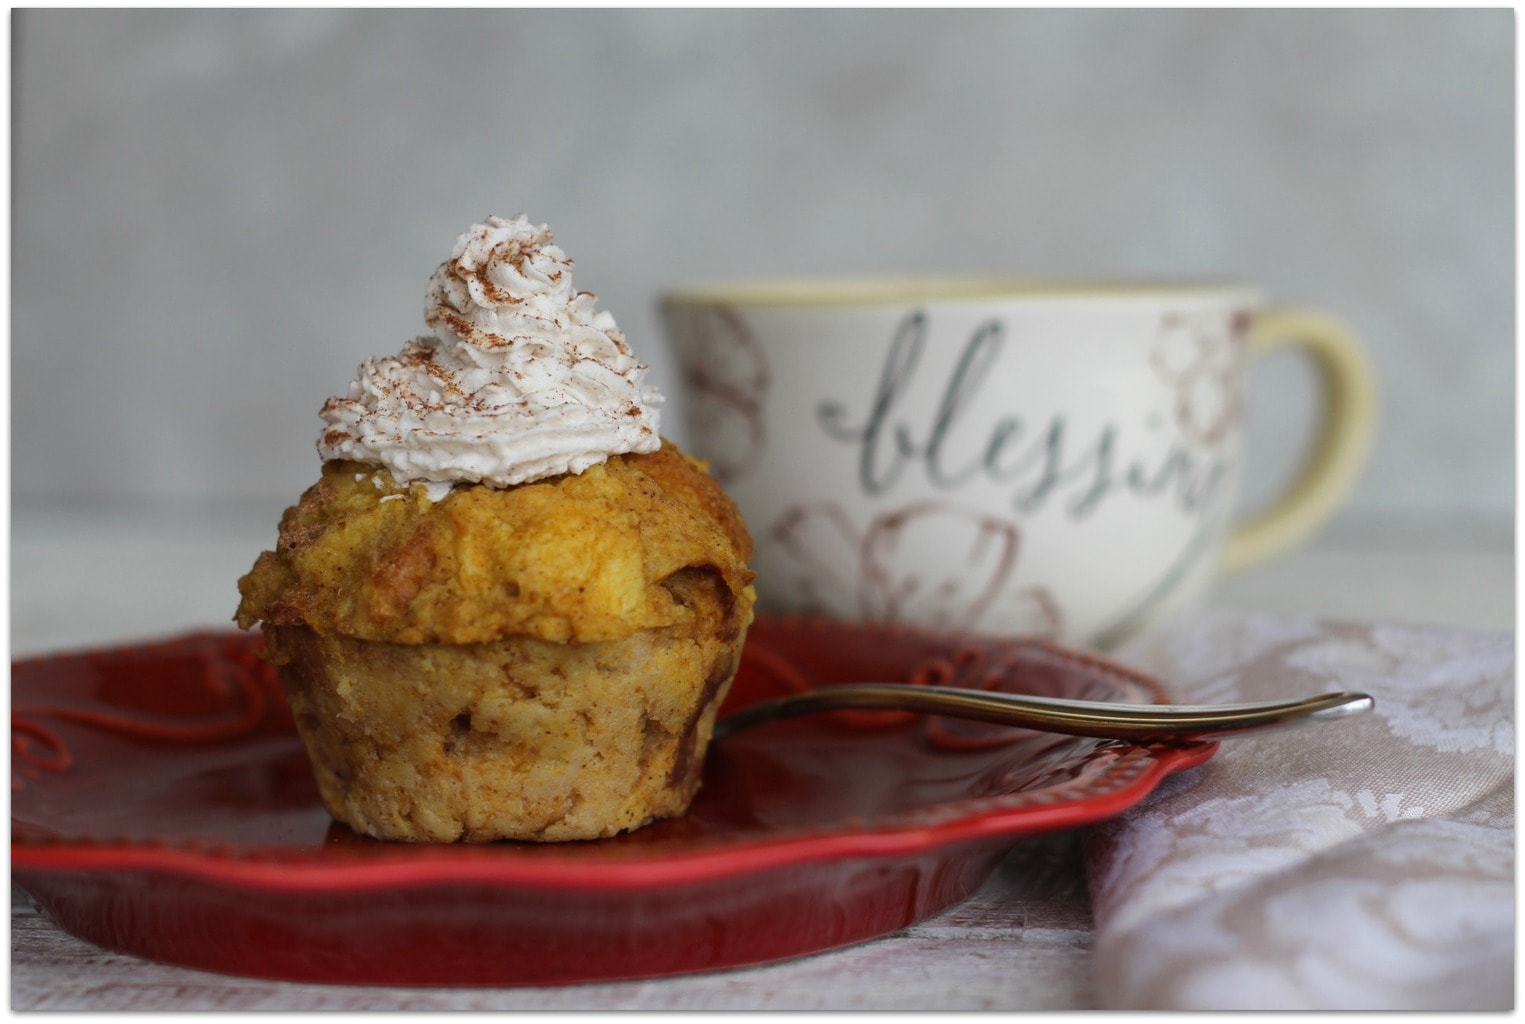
x=516, y=739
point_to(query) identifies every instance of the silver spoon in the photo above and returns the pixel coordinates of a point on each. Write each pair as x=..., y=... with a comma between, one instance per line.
x=1146, y=722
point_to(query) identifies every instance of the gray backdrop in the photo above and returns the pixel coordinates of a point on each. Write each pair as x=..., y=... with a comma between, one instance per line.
x=216, y=215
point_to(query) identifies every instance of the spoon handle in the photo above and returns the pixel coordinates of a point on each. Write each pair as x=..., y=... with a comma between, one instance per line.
x=1054, y=714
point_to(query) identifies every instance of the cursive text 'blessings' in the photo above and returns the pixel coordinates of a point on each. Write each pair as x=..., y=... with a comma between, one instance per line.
x=1040, y=462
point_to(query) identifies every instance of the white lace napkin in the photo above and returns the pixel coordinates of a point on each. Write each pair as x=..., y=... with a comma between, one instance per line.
x=1363, y=864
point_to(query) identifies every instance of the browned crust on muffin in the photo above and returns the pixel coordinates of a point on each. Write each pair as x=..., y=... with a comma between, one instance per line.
x=572, y=559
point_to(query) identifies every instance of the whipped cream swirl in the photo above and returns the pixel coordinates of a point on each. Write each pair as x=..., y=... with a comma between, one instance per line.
x=523, y=378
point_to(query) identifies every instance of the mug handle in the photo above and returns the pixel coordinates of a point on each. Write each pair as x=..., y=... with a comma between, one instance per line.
x=1338, y=453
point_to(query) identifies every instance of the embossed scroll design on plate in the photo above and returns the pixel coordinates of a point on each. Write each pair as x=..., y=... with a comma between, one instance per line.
x=240, y=690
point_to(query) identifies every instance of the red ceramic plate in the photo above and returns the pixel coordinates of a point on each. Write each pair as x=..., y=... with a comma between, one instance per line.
x=162, y=806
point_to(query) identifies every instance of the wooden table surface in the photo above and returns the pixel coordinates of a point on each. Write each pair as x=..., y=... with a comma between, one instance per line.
x=1022, y=941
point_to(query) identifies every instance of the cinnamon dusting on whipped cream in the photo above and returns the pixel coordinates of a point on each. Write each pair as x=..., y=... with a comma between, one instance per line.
x=522, y=379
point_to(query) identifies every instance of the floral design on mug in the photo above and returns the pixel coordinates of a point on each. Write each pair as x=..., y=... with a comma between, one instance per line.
x=727, y=380
x=840, y=568
x=1200, y=357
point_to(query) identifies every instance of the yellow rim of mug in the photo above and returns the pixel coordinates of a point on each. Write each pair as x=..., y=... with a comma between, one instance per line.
x=873, y=291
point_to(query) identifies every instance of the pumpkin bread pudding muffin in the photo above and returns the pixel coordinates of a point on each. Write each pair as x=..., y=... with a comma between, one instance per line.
x=507, y=609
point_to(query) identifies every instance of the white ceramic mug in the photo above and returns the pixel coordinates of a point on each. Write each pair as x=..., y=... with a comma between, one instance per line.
x=1017, y=459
